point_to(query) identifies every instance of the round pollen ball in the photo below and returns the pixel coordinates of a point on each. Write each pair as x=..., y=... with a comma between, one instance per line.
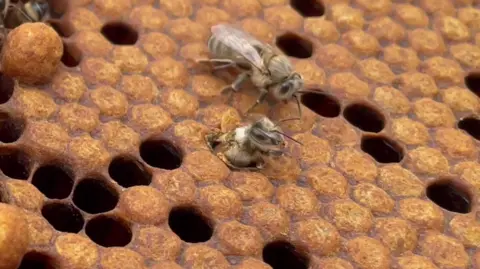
x=32, y=53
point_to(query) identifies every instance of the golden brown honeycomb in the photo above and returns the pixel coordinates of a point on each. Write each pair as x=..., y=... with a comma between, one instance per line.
x=106, y=166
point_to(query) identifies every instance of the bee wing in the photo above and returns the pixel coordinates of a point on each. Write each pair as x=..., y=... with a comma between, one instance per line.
x=240, y=41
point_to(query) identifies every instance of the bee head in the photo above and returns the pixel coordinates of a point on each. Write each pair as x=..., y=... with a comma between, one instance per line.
x=286, y=89
x=263, y=134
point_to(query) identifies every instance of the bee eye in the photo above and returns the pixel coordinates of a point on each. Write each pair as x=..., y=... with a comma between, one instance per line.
x=284, y=89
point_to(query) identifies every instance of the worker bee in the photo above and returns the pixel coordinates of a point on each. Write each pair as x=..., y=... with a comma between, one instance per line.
x=268, y=70
x=244, y=147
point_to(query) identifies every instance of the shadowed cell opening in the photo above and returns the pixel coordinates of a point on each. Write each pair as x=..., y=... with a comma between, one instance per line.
x=471, y=126
x=54, y=181
x=15, y=163
x=308, y=8
x=283, y=255
x=119, y=33
x=321, y=103
x=294, y=45
x=364, y=117
x=472, y=81
x=38, y=260
x=57, y=8
x=108, y=231
x=63, y=29
x=11, y=128
x=71, y=55
x=6, y=88
x=450, y=196
x=63, y=217
x=190, y=225
x=128, y=172
x=95, y=196
x=161, y=154
x=382, y=149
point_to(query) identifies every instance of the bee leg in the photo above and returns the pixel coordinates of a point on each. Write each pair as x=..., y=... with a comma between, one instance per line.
x=261, y=97
x=238, y=81
x=225, y=62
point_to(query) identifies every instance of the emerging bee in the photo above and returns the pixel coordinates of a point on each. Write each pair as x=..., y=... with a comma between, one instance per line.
x=268, y=70
x=244, y=147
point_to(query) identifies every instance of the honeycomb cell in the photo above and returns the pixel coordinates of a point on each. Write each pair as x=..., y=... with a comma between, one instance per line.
x=399, y=181
x=346, y=17
x=149, y=118
x=391, y=100
x=415, y=261
x=368, y=253
x=411, y=15
x=417, y=84
x=161, y=154
x=282, y=254
x=460, y=99
x=139, y=88
x=459, y=197
x=214, y=115
x=15, y=163
x=143, y=204
x=35, y=104
x=119, y=33
x=158, y=45
x=466, y=54
x=374, y=198
x=191, y=134
x=364, y=117
x=239, y=239
x=41, y=232
x=68, y=86
x=470, y=175
x=322, y=29
x=251, y=263
x=376, y=71
x=401, y=59
x=83, y=19
x=348, y=216
x=129, y=59
x=356, y=165
x=117, y=136
x=166, y=265
x=205, y=167
x=221, y=202
x=428, y=160
x=284, y=18
x=76, y=251
x=455, y=143
x=444, y=70
x=24, y=195
x=259, y=29
x=442, y=7
x=297, y=201
x=188, y=31
x=177, y=186
x=327, y=182
x=294, y=45
x=190, y=225
x=337, y=131
x=116, y=257
x=318, y=235
x=7, y=85
x=54, y=180
x=158, y=244
x=397, y=234
x=93, y=43
x=310, y=8
x=78, y=118
x=323, y=104
x=36, y=259
x=11, y=127
x=149, y=18
x=44, y=136
x=112, y=9
x=313, y=150
x=335, y=57
x=385, y=29
x=15, y=236
x=128, y=172
x=465, y=228
x=64, y=217
x=169, y=72
x=207, y=87
x=72, y=55
x=452, y=28
x=95, y=195
x=251, y=186
x=421, y=212
x=98, y=71
x=282, y=110
x=210, y=16
x=202, y=256
x=87, y=152
x=270, y=219
x=433, y=113
x=470, y=17
x=362, y=43
x=444, y=251
x=108, y=231
x=347, y=85
x=332, y=263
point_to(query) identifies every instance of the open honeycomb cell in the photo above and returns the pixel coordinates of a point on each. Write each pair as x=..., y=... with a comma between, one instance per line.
x=106, y=166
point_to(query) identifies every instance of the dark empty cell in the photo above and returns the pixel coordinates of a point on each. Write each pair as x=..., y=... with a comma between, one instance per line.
x=15, y=164
x=108, y=231
x=190, y=225
x=6, y=88
x=11, y=128
x=71, y=55
x=283, y=255
x=471, y=126
x=129, y=172
x=450, y=196
x=308, y=8
x=63, y=217
x=95, y=196
x=382, y=149
x=472, y=81
x=53, y=181
x=364, y=117
x=161, y=154
x=63, y=29
x=323, y=104
x=120, y=33
x=37, y=260
x=295, y=46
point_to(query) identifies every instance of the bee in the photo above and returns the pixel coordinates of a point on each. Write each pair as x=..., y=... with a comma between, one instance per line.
x=243, y=148
x=268, y=70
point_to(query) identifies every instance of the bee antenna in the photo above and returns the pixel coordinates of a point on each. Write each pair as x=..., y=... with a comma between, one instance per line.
x=291, y=138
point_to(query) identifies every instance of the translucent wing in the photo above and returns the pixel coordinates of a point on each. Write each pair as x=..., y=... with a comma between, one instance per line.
x=240, y=41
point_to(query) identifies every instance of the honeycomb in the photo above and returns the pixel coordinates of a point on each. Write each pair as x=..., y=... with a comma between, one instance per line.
x=106, y=165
